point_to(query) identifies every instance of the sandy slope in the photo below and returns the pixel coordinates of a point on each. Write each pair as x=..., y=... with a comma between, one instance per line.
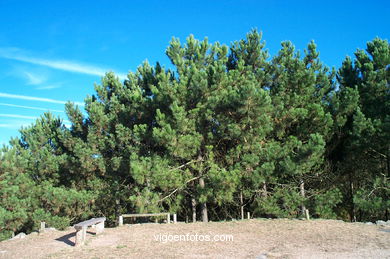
x=251, y=239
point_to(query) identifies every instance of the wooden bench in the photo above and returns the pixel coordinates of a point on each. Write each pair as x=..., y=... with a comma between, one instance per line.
x=147, y=215
x=81, y=229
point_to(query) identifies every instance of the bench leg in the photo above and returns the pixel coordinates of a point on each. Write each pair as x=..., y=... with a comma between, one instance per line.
x=80, y=236
x=99, y=227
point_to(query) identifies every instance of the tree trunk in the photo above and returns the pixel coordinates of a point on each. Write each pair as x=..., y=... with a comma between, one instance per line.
x=352, y=213
x=242, y=205
x=193, y=204
x=388, y=174
x=388, y=162
x=302, y=190
x=203, y=205
x=117, y=208
x=265, y=192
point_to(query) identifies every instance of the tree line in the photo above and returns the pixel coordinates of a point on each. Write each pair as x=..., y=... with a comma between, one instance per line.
x=225, y=131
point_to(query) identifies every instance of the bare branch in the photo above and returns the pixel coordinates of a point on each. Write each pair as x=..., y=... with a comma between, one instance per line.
x=181, y=187
x=379, y=153
x=183, y=165
x=377, y=188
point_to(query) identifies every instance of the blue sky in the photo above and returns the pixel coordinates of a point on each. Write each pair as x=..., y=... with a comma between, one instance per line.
x=54, y=51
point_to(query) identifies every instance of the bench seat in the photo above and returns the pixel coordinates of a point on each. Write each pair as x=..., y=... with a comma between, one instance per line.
x=81, y=229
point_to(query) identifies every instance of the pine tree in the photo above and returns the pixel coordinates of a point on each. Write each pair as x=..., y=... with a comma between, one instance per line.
x=300, y=90
x=360, y=149
x=226, y=130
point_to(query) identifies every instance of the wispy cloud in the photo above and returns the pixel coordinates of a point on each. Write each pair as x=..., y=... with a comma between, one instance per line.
x=40, y=80
x=15, y=124
x=34, y=79
x=29, y=107
x=71, y=66
x=18, y=123
x=47, y=87
x=7, y=115
x=32, y=98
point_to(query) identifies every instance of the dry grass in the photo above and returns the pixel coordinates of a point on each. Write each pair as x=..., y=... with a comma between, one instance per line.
x=252, y=239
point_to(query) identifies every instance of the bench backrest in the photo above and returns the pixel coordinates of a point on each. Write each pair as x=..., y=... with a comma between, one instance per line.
x=89, y=222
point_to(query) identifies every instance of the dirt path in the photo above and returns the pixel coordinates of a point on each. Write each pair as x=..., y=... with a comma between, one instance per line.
x=263, y=239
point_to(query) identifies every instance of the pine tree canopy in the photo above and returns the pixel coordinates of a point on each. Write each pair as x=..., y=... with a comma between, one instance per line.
x=222, y=131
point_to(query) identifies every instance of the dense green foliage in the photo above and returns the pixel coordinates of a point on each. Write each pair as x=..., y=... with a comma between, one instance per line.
x=228, y=130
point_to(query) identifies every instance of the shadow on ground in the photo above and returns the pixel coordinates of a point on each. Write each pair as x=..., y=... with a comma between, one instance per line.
x=67, y=238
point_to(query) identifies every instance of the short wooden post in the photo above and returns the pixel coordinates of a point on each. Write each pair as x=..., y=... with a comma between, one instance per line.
x=174, y=218
x=249, y=215
x=156, y=220
x=43, y=227
x=168, y=218
x=307, y=214
x=120, y=220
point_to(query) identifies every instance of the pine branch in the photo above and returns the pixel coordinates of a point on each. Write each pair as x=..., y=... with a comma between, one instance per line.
x=379, y=153
x=377, y=188
x=183, y=165
x=181, y=187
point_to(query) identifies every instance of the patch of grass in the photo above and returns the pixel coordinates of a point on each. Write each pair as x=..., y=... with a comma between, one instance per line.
x=121, y=246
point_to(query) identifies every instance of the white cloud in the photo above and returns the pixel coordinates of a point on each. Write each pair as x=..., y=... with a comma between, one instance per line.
x=71, y=66
x=29, y=107
x=68, y=125
x=47, y=87
x=7, y=115
x=15, y=125
x=34, y=79
x=32, y=98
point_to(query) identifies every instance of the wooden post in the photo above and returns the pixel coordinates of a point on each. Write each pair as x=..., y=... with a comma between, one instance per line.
x=156, y=220
x=168, y=218
x=307, y=214
x=43, y=227
x=120, y=220
x=249, y=215
x=174, y=218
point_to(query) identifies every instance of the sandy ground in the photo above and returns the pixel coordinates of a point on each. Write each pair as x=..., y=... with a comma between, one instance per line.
x=257, y=238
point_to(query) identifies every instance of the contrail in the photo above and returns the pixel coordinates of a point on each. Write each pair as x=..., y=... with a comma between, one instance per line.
x=30, y=107
x=32, y=98
x=71, y=66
